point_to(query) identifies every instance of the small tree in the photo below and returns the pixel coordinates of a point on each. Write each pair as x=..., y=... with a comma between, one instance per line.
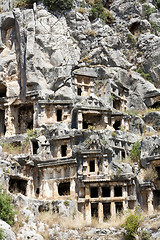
x=135, y=152
x=59, y=4
x=132, y=224
x=7, y=213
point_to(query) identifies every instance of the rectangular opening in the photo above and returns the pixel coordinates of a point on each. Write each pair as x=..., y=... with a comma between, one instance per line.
x=131, y=204
x=94, y=192
x=105, y=191
x=35, y=147
x=79, y=91
x=117, y=125
x=130, y=190
x=64, y=150
x=64, y=189
x=119, y=207
x=94, y=210
x=3, y=90
x=17, y=186
x=25, y=118
x=158, y=172
x=156, y=199
x=118, y=191
x=117, y=104
x=123, y=154
x=59, y=115
x=92, y=165
x=2, y=122
x=106, y=211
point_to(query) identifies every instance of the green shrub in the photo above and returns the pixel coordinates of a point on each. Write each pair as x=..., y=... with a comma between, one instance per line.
x=158, y=4
x=51, y=4
x=146, y=76
x=98, y=11
x=148, y=10
x=132, y=224
x=7, y=213
x=66, y=203
x=1, y=234
x=59, y=4
x=131, y=39
x=135, y=152
x=154, y=27
x=145, y=235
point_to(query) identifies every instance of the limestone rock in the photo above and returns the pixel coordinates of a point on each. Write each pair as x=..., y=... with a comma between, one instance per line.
x=7, y=231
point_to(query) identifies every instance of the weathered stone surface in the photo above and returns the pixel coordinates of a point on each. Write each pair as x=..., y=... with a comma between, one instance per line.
x=7, y=231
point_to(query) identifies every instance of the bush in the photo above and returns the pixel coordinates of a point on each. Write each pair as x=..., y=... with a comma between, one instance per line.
x=59, y=4
x=132, y=224
x=135, y=152
x=24, y=3
x=146, y=76
x=7, y=213
x=1, y=234
x=98, y=11
x=148, y=11
x=51, y=4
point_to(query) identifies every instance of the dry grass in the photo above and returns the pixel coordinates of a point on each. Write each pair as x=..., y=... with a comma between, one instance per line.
x=90, y=32
x=13, y=148
x=78, y=222
x=82, y=10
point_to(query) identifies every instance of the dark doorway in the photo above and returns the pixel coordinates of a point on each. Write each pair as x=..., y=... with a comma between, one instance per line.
x=37, y=191
x=118, y=191
x=94, y=192
x=25, y=118
x=17, y=186
x=131, y=204
x=105, y=191
x=117, y=104
x=3, y=90
x=35, y=146
x=123, y=154
x=106, y=211
x=158, y=172
x=85, y=124
x=117, y=125
x=64, y=189
x=156, y=199
x=119, y=207
x=59, y=115
x=79, y=91
x=2, y=122
x=92, y=165
x=64, y=150
x=94, y=210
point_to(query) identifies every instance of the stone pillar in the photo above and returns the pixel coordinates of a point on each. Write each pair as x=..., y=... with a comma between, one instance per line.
x=96, y=165
x=124, y=194
x=72, y=188
x=55, y=189
x=88, y=212
x=80, y=120
x=100, y=212
x=150, y=202
x=113, y=208
x=35, y=115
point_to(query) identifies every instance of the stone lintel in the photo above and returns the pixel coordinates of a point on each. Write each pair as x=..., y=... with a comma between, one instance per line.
x=61, y=161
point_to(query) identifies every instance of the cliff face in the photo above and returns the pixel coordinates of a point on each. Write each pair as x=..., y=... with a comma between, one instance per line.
x=74, y=97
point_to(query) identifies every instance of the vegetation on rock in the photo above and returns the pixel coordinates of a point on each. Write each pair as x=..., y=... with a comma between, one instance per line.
x=7, y=212
x=98, y=11
x=132, y=224
x=135, y=152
